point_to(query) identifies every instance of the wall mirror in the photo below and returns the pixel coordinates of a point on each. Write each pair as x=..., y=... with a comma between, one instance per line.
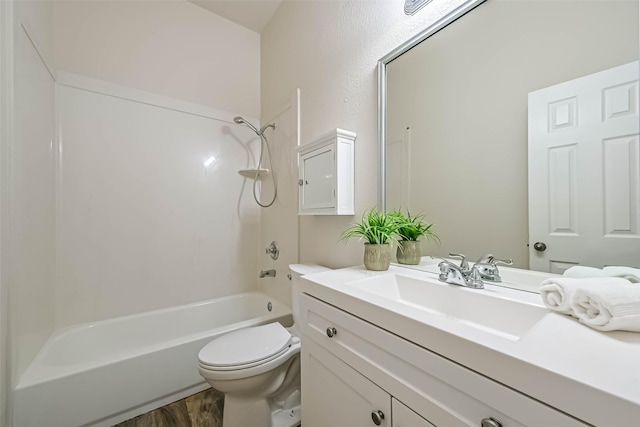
x=456, y=117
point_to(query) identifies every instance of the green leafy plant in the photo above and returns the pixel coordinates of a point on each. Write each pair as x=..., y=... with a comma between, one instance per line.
x=375, y=227
x=412, y=227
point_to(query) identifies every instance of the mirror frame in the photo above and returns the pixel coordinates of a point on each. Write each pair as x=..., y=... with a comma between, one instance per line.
x=461, y=10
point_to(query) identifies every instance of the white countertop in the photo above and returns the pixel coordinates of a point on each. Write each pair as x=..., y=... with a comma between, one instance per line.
x=591, y=375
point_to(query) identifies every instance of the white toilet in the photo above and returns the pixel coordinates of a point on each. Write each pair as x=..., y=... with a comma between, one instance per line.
x=258, y=368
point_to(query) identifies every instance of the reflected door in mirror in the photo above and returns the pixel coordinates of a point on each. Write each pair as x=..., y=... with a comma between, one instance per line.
x=584, y=171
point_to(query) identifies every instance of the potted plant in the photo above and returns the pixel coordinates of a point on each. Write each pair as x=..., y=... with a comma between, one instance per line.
x=410, y=229
x=378, y=229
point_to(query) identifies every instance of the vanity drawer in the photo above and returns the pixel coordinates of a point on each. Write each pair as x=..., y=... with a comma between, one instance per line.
x=439, y=390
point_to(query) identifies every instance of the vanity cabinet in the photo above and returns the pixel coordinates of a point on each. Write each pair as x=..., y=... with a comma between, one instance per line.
x=326, y=175
x=351, y=368
x=335, y=394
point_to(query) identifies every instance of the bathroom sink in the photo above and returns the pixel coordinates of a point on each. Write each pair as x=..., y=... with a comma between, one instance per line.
x=493, y=310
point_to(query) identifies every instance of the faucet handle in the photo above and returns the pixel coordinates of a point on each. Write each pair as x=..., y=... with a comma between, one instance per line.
x=464, y=265
x=496, y=261
x=485, y=259
x=488, y=270
x=446, y=265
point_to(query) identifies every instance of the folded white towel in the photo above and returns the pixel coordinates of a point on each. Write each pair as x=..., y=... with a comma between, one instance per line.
x=556, y=292
x=629, y=273
x=610, y=307
x=584, y=271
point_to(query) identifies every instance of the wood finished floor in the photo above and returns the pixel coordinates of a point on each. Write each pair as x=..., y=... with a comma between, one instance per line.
x=203, y=409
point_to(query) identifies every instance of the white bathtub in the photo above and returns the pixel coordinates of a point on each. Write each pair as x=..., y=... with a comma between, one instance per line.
x=105, y=372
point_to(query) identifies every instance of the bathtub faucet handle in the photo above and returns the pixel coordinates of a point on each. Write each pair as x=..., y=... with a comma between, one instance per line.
x=273, y=251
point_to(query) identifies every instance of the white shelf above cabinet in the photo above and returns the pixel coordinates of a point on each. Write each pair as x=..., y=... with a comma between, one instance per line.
x=326, y=175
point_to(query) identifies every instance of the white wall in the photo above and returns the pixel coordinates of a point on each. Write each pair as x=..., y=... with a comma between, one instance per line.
x=142, y=223
x=174, y=48
x=330, y=51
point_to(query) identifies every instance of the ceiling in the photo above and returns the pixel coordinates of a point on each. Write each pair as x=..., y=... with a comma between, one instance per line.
x=251, y=14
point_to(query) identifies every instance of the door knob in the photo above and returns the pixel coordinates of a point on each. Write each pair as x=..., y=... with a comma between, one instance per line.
x=331, y=331
x=539, y=246
x=377, y=417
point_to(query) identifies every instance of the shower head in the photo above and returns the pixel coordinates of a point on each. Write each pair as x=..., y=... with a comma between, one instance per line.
x=239, y=120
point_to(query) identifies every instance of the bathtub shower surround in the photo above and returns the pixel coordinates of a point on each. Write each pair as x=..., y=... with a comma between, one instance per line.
x=110, y=371
x=146, y=218
x=142, y=185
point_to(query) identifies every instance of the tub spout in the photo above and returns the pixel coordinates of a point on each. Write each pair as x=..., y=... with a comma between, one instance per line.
x=267, y=273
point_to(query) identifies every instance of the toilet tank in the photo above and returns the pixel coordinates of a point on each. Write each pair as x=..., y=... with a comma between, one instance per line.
x=297, y=271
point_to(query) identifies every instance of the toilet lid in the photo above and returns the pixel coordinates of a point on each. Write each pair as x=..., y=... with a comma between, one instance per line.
x=246, y=346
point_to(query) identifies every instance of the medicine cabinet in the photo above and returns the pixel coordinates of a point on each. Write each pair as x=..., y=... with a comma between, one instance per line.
x=326, y=175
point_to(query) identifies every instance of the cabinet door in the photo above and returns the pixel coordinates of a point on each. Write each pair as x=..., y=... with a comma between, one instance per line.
x=317, y=170
x=405, y=417
x=335, y=394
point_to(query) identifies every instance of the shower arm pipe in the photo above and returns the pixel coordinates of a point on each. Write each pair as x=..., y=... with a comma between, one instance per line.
x=268, y=125
x=259, y=132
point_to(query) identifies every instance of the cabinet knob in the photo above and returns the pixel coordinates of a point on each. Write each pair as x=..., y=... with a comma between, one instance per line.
x=377, y=417
x=490, y=422
x=331, y=331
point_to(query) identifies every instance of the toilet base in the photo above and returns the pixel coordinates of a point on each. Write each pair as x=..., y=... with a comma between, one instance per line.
x=242, y=412
x=289, y=417
x=289, y=412
x=279, y=405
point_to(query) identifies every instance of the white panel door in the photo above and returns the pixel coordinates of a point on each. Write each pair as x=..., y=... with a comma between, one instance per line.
x=584, y=172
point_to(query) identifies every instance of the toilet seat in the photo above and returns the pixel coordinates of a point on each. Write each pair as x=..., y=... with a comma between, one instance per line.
x=243, y=366
x=245, y=348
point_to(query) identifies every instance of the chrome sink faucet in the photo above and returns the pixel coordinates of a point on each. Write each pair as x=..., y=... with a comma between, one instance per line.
x=487, y=267
x=458, y=275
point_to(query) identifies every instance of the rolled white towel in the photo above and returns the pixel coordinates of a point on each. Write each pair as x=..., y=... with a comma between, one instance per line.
x=615, y=306
x=629, y=273
x=556, y=292
x=584, y=271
